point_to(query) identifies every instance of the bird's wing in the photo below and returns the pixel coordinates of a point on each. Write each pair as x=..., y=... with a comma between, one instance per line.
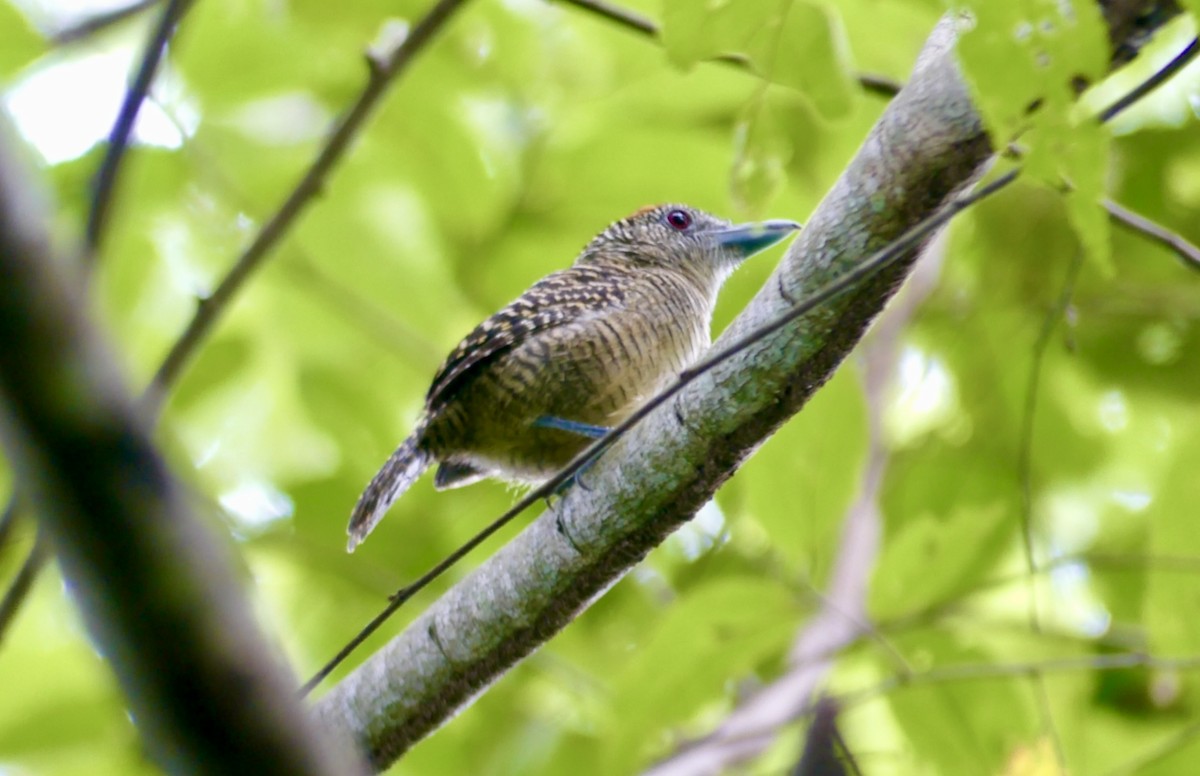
x=553, y=301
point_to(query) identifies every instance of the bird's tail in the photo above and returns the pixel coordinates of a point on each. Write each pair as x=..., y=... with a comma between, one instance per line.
x=397, y=475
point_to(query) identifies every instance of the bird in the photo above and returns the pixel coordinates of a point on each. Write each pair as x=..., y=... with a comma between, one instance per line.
x=575, y=354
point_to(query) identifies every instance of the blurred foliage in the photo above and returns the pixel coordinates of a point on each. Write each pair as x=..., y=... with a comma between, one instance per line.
x=519, y=134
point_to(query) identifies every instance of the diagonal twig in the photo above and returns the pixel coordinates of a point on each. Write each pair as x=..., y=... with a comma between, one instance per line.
x=22, y=582
x=635, y=22
x=209, y=309
x=1025, y=445
x=1188, y=253
x=973, y=672
x=1160, y=77
x=99, y=22
x=118, y=138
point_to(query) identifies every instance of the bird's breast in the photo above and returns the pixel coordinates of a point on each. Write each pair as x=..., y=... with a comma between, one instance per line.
x=595, y=369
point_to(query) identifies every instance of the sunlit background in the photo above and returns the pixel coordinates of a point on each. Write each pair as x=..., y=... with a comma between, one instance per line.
x=518, y=135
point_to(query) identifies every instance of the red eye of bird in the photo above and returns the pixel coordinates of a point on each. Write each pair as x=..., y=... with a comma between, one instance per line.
x=679, y=219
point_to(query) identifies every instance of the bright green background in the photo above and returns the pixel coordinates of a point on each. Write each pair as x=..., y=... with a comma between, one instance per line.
x=525, y=129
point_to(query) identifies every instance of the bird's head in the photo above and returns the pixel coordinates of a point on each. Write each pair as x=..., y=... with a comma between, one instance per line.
x=683, y=238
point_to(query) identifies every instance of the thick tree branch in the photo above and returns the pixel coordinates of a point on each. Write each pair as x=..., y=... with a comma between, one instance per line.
x=928, y=144
x=104, y=190
x=382, y=73
x=155, y=591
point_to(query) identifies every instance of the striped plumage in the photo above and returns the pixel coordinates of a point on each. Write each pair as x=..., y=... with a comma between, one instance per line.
x=587, y=344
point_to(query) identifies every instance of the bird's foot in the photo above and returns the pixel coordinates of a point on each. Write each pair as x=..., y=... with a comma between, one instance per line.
x=574, y=479
x=571, y=426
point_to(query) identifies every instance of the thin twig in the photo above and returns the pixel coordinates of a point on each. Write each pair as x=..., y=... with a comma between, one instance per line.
x=874, y=83
x=1043, y=700
x=1141, y=762
x=1025, y=443
x=209, y=309
x=948, y=605
x=8, y=521
x=1188, y=253
x=22, y=583
x=614, y=13
x=890, y=253
x=1177, y=63
x=118, y=138
x=99, y=22
x=970, y=672
x=635, y=22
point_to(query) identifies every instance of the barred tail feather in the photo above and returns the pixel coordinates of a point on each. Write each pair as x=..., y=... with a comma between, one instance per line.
x=397, y=475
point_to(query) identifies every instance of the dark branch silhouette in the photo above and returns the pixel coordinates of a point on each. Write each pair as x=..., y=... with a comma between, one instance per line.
x=209, y=310
x=825, y=752
x=104, y=189
x=155, y=590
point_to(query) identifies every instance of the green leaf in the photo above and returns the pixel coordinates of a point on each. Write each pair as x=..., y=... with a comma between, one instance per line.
x=1025, y=61
x=761, y=153
x=1085, y=165
x=804, y=47
x=715, y=633
x=1174, y=534
x=1027, y=53
x=20, y=44
x=693, y=31
x=793, y=43
x=934, y=560
x=802, y=481
x=965, y=726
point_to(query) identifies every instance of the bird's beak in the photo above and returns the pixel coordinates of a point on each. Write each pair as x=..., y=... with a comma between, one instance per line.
x=748, y=239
